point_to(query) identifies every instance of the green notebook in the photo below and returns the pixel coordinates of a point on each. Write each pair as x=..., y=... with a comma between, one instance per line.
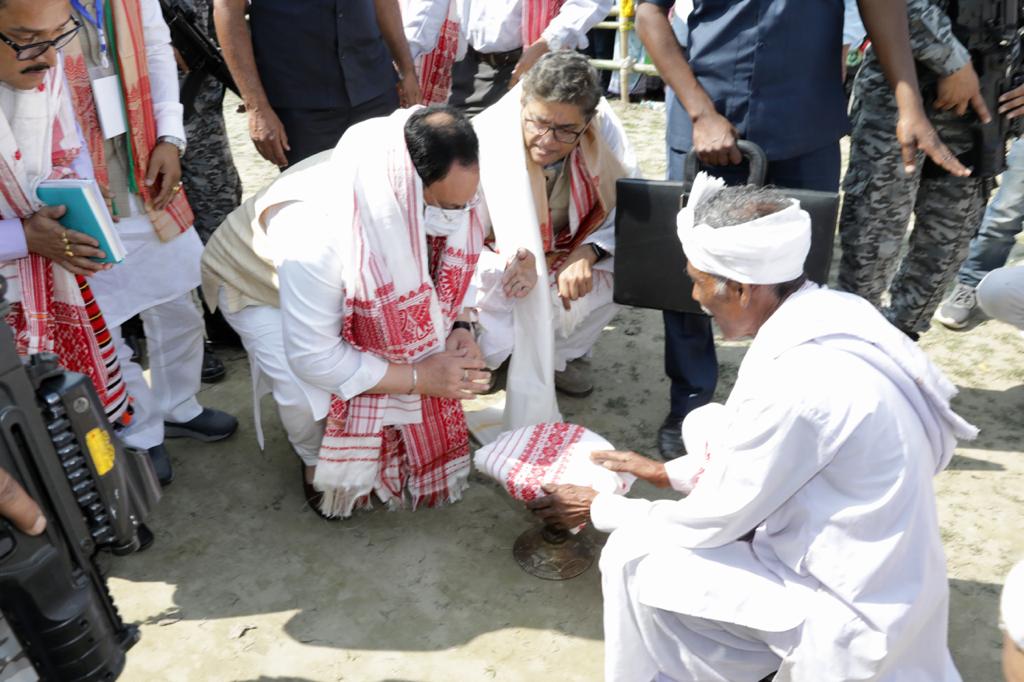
x=86, y=212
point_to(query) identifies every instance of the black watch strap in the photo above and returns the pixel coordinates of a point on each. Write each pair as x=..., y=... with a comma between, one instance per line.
x=462, y=324
x=598, y=251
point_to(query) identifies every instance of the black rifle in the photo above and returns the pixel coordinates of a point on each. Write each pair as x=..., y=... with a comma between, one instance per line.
x=201, y=55
x=992, y=31
x=55, y=440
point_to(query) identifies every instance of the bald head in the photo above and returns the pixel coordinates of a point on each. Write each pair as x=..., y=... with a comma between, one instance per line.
x=439, y=137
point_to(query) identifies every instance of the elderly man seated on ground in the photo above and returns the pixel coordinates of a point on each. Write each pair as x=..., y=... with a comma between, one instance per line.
x=367, y=347
x=808, y=541
x=550, y=154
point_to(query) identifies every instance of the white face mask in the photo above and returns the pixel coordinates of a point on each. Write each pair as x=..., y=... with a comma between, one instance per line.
x=440, y=222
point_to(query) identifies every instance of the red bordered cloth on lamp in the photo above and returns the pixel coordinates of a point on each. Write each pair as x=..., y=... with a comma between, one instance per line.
x=436, y=65
x=406, y=292
x=527, y=459
x=51, y=310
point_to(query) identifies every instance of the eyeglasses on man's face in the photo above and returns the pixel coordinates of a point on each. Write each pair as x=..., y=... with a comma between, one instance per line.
x=563, y=134
x=25, y=53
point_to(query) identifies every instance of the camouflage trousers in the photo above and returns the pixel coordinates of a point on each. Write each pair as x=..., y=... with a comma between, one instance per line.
x=208, y=170
x=878, y=202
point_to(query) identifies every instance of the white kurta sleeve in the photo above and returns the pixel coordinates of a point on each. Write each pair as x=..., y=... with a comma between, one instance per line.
x=163, y=72
x=770, y=448
x=313, y=306
x=422, y=21
x=610, y=128
x=569, y=27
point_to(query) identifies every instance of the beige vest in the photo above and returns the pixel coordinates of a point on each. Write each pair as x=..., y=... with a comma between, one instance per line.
x=238, y=259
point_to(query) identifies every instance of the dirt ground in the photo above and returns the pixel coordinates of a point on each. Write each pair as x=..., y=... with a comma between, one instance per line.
x=243, y=583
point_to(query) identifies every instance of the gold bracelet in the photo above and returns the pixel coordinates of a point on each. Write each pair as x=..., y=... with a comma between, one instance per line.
x=415, y=380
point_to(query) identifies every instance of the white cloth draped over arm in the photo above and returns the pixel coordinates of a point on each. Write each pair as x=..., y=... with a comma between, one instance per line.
x=422, y=21
x=610, y=128
x=770, y=447
x=163, y=72
x=313, y=305
x=569, y=27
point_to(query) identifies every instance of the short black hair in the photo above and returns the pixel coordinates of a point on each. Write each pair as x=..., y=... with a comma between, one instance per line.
x=438, y=137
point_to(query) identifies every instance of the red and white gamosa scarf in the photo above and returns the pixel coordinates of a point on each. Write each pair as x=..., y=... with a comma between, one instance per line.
x=404, y=291
x=52, y=310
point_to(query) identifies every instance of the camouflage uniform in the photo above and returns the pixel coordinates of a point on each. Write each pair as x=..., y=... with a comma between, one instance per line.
x=208, y=171
x=879, y=197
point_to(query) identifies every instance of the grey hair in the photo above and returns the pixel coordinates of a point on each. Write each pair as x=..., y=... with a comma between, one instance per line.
x=566, y=77
x=735, y=205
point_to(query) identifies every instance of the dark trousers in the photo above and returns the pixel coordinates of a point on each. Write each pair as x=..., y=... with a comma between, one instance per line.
x=477, y=84
x=311, y=131
x=690, y=360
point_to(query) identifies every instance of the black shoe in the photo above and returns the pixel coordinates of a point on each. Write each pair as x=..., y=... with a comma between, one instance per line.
x=670, y=438
x=161, y=464
x=211, y=425
x=213, y=368
x=145, y=537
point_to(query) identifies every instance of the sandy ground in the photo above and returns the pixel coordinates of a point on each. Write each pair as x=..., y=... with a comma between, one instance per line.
x=243, y=583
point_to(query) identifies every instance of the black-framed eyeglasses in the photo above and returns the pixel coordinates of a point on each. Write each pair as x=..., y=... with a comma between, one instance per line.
x=24, y=53
x=561, y=134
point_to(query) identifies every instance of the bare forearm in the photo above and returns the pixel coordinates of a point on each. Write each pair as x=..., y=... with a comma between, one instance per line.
x=397, y=380
x=236, y=41
x=655, y=32
x=886, y=24
x=389, y=20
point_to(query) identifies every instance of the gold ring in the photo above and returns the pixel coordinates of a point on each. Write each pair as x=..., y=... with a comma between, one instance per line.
x=65, y=238
x=69, y=253
x=176, y=188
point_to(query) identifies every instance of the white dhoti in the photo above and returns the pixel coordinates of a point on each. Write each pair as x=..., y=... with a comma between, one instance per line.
x=155, y=281
x=644, y=641
x=575, y=330
x=260, y=329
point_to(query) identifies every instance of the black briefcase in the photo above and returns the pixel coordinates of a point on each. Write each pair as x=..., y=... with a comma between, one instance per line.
x=650, y=268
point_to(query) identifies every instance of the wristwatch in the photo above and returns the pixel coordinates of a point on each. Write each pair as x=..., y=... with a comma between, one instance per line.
x=176, y=141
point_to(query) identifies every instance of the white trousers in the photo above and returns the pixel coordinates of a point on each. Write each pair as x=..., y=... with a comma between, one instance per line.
x=576, y=331
x=1001, y=295
x=174, y=343
x=644, y=643
x=261, y=332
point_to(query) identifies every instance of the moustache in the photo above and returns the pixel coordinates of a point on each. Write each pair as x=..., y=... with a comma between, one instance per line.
x=36, y=69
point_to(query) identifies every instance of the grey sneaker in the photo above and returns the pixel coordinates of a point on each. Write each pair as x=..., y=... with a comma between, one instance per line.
x=575, y=379
x=956, y=310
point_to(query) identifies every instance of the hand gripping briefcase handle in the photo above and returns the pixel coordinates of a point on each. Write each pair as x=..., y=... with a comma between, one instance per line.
x=755, y=156
x=650, y=267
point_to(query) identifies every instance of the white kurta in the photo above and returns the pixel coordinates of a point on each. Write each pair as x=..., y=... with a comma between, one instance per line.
x=825, y=450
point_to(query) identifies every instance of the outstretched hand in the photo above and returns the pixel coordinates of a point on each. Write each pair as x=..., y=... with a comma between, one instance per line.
x=644, y=468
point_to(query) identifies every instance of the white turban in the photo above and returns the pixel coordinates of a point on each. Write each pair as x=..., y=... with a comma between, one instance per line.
x=768, y=250
x=1011, y=605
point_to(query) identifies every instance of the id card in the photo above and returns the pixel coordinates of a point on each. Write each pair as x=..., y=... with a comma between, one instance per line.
x=106, y=92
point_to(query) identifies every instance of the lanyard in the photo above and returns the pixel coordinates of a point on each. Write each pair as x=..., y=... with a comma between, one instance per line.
x=96, y=21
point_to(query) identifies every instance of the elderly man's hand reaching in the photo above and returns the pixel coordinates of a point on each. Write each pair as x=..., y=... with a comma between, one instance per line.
x=564, y=507
x=644, y=468
x=576, y=275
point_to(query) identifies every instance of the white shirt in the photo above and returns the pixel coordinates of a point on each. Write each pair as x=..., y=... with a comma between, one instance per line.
x=163, y=71
x=830, y=462
x=496, y=25
x=312, y=282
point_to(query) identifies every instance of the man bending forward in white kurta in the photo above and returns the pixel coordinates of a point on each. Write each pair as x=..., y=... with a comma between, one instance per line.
x=807, y=542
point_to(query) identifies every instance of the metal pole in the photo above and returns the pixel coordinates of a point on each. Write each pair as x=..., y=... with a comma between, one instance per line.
x=625, y=20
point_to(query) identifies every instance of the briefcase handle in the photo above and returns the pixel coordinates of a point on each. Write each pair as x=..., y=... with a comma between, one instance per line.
x=752, y=152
